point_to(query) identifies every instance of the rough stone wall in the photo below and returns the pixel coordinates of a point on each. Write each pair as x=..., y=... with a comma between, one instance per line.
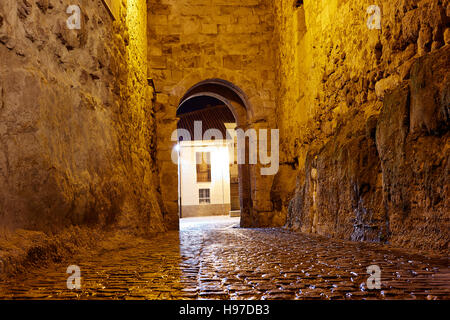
x=195, y=40
x=363, y=115
x=76, y=119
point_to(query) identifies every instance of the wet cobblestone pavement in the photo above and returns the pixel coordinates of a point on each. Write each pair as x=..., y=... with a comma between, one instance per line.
x=213, y=259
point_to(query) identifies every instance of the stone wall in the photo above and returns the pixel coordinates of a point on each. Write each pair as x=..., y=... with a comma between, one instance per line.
x=193, y=41
x=363, y=116
x=76, y=118
x=206, y=210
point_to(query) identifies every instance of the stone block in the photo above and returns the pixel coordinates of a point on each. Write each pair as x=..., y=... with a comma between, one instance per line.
x=158, y=62
x=233, y=62
x=209, y=28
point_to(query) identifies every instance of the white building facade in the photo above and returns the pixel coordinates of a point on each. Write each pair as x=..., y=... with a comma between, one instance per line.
x=207, y=170
x=204, y=188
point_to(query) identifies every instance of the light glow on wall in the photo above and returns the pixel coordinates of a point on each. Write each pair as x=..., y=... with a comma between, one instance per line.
x=220, y=162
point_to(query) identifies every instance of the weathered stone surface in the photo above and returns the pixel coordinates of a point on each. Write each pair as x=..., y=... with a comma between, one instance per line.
x=430, y=93
x=333, y=82
x=342, y=196
x=76, y=119
x=283, y=188
x=413, y=142
x=363, y=113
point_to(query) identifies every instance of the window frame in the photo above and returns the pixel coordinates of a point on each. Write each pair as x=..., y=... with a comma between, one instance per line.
x=205, y=160
x=204, y=199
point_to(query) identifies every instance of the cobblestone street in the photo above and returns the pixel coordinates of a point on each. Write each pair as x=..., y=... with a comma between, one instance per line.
x=214, y=259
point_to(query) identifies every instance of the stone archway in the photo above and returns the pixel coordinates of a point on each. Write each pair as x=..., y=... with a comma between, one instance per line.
x=251, y=112
x=236, y=100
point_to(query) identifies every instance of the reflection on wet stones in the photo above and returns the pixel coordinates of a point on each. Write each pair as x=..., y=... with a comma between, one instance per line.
x=209, y=260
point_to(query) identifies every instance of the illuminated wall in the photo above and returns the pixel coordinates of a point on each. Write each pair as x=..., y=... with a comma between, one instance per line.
x=220, y=178
x=76, y=118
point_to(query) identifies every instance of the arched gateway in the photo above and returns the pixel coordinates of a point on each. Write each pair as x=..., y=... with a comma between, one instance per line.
x=236, y=100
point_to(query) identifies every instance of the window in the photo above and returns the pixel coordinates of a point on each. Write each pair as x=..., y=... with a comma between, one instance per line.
x=204, y=196
x=203, y=160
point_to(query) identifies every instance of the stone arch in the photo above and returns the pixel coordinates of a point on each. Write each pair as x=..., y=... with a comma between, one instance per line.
x=237, y=101
x=252, y=107
x=237, y=82
x=231, y=95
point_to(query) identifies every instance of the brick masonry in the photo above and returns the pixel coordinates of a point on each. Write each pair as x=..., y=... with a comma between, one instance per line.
x=355, y=112
x=206, y=210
